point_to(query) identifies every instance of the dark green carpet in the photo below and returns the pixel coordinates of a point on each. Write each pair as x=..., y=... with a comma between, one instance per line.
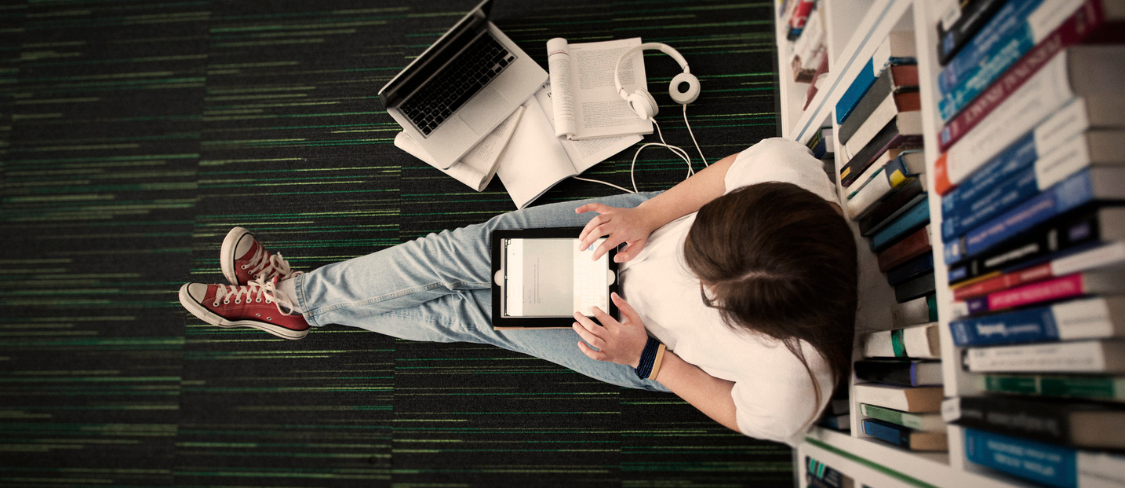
x=136, y=133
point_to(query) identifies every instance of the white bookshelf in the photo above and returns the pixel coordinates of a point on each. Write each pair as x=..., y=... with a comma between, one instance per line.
x=855, y=28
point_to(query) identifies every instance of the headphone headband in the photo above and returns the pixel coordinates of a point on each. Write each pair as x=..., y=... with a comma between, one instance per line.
x=666, y=49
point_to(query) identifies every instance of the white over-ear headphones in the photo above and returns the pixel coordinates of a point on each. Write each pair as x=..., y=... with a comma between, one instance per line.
x=641, y=101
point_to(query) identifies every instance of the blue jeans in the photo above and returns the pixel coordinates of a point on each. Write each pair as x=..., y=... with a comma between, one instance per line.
x=438, y=288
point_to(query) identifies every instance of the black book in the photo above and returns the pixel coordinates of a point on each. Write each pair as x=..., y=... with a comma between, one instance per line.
x=1076, y=424
x=911, y=269
x=1070, y=233
x=974, y=14
x=902, y=372
x=914, y=288
x=893, y=205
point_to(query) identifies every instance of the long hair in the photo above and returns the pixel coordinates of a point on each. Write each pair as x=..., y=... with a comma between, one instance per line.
x=778, y=260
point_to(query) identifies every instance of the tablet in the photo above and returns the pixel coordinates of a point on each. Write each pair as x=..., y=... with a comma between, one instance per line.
x=540, y=278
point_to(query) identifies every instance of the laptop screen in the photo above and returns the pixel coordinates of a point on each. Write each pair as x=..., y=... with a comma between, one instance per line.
x=553, y=278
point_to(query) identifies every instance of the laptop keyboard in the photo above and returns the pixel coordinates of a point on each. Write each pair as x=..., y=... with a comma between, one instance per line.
x=446, y=92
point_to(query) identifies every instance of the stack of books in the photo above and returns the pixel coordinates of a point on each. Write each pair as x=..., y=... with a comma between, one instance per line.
x=901, y=398
x=823, y=147
x=1032, y=183
x=805, y=25
x=820, y=475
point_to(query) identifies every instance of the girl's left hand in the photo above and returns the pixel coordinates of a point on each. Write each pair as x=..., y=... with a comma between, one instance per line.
x=617, y=342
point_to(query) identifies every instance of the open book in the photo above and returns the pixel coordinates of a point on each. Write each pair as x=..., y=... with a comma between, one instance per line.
x=534, y=160
x=586, y=102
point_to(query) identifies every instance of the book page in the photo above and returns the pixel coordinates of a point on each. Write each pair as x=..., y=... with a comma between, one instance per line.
x=477, y=167
x=587, y=152
x=562, y=104
x=598, y=109
x=534, y=160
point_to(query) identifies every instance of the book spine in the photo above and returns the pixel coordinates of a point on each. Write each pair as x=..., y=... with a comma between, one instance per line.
x=893, y=205
x=1036, y=420
x=1092, y=387
x=899, y=109
x=914, y=288
x=1036, y=105
x=913, y=219
x=918, y=311
x=1061, y=357
x=1035, y=461
x=876, y=95
x=801, y=14
x=1004, y=281
x=885, y=431
x=888, y=138
x=902, y=374
x=1071, y=193
x=1079, y=25
x=884, y=414
x=863, y=81
x=1032, y=325
x=998, y=170
x=1007, y=27
x=916, y=267
x=1043, y=291
x=972, y=18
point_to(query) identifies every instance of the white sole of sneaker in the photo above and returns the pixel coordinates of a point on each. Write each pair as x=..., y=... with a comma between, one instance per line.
x=226, y=254
x=202, y=313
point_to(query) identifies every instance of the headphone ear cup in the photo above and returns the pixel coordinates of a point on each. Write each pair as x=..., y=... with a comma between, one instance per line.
x=643, y=104
x=684, y=97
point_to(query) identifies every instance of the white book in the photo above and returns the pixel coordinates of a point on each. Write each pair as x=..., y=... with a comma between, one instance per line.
x=1089, y=72
x=477, y=167
x=1097, y=356
x=586, y=102
x=920, y=341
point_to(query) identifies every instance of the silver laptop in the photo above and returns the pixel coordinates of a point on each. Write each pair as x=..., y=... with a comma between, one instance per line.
x=461, y=87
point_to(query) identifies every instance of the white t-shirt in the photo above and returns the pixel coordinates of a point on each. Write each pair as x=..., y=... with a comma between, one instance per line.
x=773, y=394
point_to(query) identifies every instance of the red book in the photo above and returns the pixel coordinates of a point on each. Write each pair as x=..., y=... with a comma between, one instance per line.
x=1069, y=286
x=1073, y=31
x=801, y=13
x=1003, y=282
x=1105, y=255
x=910, y=247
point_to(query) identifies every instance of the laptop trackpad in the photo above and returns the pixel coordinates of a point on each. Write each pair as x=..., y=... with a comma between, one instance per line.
x=484, y=111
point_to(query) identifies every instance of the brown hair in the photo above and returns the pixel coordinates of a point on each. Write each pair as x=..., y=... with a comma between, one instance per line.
x=780, y=261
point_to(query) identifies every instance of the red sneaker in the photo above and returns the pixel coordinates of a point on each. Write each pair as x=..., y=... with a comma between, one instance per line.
x=255, y=305
x=243, y=259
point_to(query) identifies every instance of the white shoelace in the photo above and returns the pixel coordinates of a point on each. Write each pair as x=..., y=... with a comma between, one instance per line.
x=265, y=290
x=260, y=267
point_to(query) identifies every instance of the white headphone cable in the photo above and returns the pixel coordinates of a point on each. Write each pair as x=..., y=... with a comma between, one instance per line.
x=693, y=138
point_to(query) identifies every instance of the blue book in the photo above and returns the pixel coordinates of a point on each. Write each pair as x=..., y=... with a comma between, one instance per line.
x=1042, y=463
x=999, y=41
x=904, y=436
x=1079, y=189
x=897, y=48
x=958, y=204
x=1084, y=318
x=910, y=221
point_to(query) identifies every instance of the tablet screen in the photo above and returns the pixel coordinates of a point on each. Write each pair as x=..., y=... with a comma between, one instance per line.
x=552, y=277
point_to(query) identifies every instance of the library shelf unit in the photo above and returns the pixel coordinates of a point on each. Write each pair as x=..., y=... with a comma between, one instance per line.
x=854, y=29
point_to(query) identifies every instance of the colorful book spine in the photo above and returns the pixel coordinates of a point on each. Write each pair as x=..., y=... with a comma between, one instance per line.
x=921, y=341
x=1060, y=288
x=1088, y=356
x=891, y=207
x=1071, y=261
x=1110, y=388
x=904, y=437
x=1035, y=461
x=1007, y=26
x=970, y=19
x=913, y=219
x=887, y=138
x=910, y=247
x=1088, y=318
x=1071, y=193
x=929, y=422
x=1076, y=28
x=894, y=174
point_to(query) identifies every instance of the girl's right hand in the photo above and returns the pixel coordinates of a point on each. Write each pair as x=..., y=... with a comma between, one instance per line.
x=618, y=225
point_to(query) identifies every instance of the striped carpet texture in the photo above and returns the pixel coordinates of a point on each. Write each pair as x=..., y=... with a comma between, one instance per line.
x=136, y=133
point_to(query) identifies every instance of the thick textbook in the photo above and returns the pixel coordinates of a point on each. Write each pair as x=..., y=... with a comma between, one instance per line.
x=905, y=437
x=910, y=247
x=1091, y=282
x=928, y=422
x=902, y=372
x=915, y=267
x=1076, y=424
x=875, y=169
x=913, y=219
x=897, y=48
x=906, y=399
x=1019, y=173
x=919, y=341
x=896, y=203
x=1086, y=356
x=1098, y=184
x=1065, y=262
x=917, y=311
x=1084, y=318
x=896, y=86
x=896, y=174
x=1048, y=94
x=1106, y=388
x=586, y=102
x=1084, y=63
x=970, y=15
x=1072, y=233
x=887, y=138
x=1049, y=464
